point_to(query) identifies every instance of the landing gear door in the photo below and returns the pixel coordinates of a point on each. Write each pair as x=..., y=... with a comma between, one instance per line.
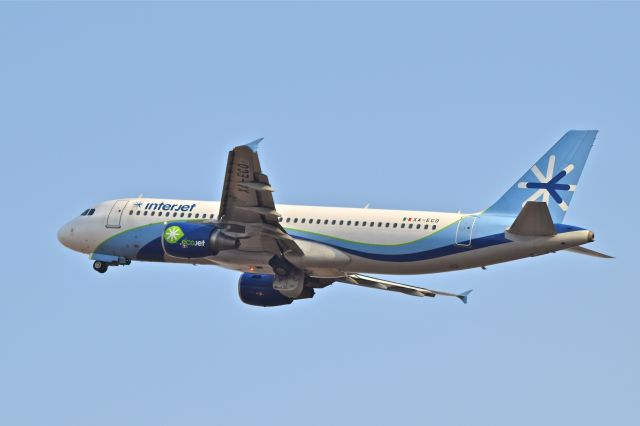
x=464, y=233
x=113, y=220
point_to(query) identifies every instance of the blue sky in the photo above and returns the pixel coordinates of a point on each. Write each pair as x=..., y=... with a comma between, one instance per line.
x=413, y=105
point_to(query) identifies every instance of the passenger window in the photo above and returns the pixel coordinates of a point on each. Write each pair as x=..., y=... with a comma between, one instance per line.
x=379, y=224
x=181, y=214
x=365, y=223
x=197, y=215
x=288, y=219
x=130, y=212
x=153, y=213
x=189, y=215
x=395, y=225
x=280, y=219
x=348, y=223
x=356, y=224
x=212, y=215
x=167, y=214
x=341, y=222
x=433, y=227
x=410, y=225
x=302, y=221
x=175, y=214
x=317, y=221
x=295, y=220
x=326, y=221
x=402, y=226
x=386, y=225
x=145, y=212
x=310, y=220
x=417, y=226
x=138, y=213
x=333, y=222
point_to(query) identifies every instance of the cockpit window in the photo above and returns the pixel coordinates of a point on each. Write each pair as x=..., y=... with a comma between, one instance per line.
x=84, y=213
x=91, y=212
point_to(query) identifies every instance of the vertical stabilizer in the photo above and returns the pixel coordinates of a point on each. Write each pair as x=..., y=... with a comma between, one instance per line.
x=552, y=179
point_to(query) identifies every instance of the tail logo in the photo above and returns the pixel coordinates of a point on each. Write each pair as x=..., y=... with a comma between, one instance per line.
x=549, y=184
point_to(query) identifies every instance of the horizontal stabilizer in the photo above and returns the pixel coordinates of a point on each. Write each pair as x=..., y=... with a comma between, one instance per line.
x=533, y=220
x=586, y=251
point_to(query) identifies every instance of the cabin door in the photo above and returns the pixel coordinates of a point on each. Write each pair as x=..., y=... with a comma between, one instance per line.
x=464, y=233
x=115, y=215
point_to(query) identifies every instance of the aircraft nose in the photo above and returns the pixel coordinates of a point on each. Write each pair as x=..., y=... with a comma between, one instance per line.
x=65, y=234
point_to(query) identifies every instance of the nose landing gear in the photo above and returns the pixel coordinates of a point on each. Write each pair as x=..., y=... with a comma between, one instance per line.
x=100, y=266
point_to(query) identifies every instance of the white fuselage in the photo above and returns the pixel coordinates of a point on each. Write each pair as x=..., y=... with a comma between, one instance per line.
x=337, y=239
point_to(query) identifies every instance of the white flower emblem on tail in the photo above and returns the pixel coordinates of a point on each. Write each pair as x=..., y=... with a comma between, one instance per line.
x=548, y=185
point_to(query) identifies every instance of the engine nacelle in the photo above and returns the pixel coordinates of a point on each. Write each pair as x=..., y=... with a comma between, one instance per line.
x=257, y=290
x=191, y=240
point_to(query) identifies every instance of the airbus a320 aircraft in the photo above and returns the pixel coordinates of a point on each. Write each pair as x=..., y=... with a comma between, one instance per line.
x=285, y=252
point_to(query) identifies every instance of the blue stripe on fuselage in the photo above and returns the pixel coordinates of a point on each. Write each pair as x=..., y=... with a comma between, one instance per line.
x=490, y=240
x=152, y=251
x=482, y=242
x=446, y=250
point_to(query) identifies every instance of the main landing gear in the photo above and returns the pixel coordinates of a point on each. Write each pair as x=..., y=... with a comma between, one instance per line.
x=100, y=266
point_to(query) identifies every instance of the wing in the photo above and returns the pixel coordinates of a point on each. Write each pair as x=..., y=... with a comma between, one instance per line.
x=247, y=208
x=381, y=284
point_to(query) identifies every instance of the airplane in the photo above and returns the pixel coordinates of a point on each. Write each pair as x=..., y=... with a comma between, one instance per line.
x=287, y=252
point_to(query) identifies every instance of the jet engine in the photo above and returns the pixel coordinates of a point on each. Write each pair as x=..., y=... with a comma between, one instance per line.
x=192, y=240
x=258, y=290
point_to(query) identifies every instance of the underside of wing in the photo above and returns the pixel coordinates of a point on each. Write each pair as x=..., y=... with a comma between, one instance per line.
x=247, y=208
x=372, y=282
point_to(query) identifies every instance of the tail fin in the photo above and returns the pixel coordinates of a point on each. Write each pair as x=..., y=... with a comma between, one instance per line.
x=552, y=179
